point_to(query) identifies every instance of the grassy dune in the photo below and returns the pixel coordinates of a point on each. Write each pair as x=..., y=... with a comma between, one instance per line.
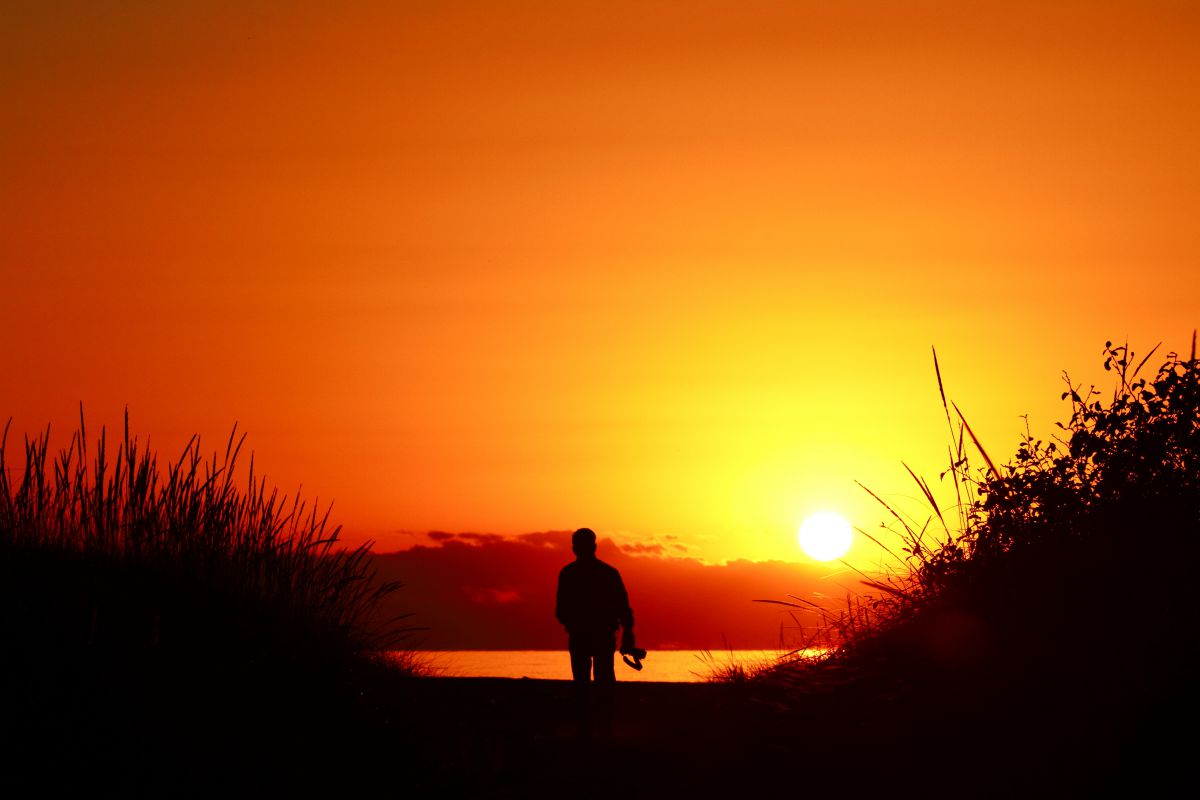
x=168, y=628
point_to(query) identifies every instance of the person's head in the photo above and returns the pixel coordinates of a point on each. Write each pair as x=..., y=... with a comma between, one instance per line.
x=583, y=543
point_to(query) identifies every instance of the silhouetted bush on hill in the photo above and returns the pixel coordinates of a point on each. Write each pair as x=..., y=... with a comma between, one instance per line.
x=1112, y=508
x=150, y=617
x=1053, y=627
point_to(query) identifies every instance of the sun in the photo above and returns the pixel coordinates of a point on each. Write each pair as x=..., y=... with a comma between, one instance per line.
x=826, y=535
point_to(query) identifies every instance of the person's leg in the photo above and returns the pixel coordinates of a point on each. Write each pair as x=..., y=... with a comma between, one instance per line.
x=581, y=668
x=606, y=680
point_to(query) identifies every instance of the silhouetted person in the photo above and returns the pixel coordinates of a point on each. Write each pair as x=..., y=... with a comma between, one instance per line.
x=591, y=605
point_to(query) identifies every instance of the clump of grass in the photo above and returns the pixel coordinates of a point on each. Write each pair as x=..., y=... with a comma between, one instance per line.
x=194, y=523
x=735, y=670
x=728, y=670
x=145, y=606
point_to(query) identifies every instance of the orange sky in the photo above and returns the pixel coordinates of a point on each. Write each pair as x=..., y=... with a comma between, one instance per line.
x=662, y=269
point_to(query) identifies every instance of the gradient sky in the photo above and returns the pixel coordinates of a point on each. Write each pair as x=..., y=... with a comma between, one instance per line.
x=662, y=269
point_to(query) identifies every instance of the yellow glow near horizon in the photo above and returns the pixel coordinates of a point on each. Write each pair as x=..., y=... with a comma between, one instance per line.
x=826, y=535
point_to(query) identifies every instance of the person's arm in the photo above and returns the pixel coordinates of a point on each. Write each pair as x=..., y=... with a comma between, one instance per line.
x=624, y=612
x=625, y=617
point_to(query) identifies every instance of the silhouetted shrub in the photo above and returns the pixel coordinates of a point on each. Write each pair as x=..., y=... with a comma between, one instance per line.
x=191, y=529
x=175, y=621
x=1129, y=468
x=1048, y=619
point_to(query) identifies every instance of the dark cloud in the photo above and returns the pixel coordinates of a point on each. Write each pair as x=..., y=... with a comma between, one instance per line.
x=487, y=591
x=481, y=538
x=643, y=549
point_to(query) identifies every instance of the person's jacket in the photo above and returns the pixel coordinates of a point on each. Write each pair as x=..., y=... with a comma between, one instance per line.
x=592, y=597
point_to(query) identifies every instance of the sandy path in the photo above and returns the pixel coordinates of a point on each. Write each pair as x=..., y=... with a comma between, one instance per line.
x=486, y=737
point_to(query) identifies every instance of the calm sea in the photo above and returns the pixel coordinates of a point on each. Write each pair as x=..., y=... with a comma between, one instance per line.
x=673, y=666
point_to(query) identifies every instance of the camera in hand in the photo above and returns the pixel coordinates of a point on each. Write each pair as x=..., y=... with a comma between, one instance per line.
x=631, y=654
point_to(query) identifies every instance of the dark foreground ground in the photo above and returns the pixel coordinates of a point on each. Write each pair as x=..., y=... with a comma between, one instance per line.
x=504, y=738
x=515, y=738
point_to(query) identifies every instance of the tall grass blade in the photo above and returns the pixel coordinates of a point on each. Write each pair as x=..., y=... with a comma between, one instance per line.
x=991, y=466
